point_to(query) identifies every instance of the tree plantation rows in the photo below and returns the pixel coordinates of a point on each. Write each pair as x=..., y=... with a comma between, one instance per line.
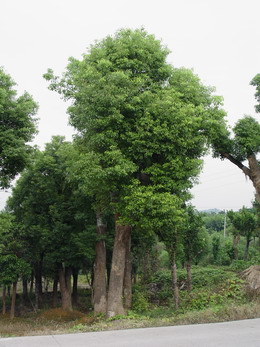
x=101, y=204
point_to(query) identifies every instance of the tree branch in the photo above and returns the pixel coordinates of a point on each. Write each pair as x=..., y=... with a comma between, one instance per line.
x=238, y=163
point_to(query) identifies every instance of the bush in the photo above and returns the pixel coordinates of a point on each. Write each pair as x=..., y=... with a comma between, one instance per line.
x=139, y=300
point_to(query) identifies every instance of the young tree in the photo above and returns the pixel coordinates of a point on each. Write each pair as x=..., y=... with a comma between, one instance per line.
x=17, y=127
x=193, y=241
x=245, y=222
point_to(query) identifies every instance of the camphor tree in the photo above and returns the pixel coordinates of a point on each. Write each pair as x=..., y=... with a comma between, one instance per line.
x=143, y=123
x=17, y=127
x=55, y=218
x=244, y=145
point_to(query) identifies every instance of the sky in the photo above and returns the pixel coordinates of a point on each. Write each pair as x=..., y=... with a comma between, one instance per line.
x=218, y=39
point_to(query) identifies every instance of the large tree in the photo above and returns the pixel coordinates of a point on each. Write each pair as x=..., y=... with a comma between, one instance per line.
x=17, y=127
x=143, y=123
x=243, y=145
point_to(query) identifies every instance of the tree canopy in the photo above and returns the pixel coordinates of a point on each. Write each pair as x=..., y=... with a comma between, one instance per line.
x=17, y=127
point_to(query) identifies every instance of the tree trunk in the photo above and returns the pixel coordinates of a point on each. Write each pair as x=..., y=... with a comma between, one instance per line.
x=189, y=277
x=253, y=172
x=65, y=287
x=25, y=291
x=100, y=281
x=248, y=240
x=31, y=282
x=255, y=175
x=236, y=240
x=175, y=284
x=12, y=311
x=55, y=291
x=116, y=281
x=127, y=291
x=4, y=300
x=38, y=284
x=75, y=274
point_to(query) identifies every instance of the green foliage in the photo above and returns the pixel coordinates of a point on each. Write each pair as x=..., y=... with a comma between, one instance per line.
x=247, y=137
x=140, y=302
x=141, y=126
x=17, y=127
x=56, y=219
x=256, y=83
x=213, y=221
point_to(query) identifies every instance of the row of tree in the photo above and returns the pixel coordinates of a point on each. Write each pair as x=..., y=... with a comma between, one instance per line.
x=142, y=128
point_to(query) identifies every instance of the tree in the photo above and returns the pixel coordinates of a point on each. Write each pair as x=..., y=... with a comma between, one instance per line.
x=244, y=145
x=55, y=218
x=17, y=127
x=12, y=265
x=193, y=241
x=245, y=222
x=142, y=122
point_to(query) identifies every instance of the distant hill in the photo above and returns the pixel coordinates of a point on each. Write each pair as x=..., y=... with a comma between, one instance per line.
x=212, y=210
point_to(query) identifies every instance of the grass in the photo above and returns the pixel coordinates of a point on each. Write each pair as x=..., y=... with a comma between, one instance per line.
x=221, y=298
x=59, y=322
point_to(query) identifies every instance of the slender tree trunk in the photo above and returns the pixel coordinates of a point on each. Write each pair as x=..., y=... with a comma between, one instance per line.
x=31, y=282
x=55, y=290
x=4, y=299
x=116, y=280
x=248, y=240
x=12, y=311
x=189, y=276
x=25, y=291
x=65, y=287
x=38, y=284
x=175, y=288
x=75, y=274
x=100, y=281
x=127, y=291
x=236, y=240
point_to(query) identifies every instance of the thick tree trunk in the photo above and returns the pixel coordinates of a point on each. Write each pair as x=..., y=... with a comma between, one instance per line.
x=100, y=281
x=75, y=274
x=55, y=291
x=12, y=311
x=255, y=175
x=4, y=299
x=189, y=277
x=127, y=291
x=65, y=287
x=253, y=172
x=116, y=280
x=175, y=288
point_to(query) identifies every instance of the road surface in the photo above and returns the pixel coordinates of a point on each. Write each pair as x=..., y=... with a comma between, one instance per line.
x=245, y=333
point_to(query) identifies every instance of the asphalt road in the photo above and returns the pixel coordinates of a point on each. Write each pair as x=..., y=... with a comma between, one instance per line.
x=245, y=333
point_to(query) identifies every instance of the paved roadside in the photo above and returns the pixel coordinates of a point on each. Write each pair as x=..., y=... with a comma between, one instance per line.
x=245, y=333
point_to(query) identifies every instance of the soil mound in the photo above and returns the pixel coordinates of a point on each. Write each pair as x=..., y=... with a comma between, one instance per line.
x=60, y=315
x=252, y=277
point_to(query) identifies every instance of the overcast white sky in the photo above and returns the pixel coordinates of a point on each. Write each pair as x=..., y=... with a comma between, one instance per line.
x=219, y=39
